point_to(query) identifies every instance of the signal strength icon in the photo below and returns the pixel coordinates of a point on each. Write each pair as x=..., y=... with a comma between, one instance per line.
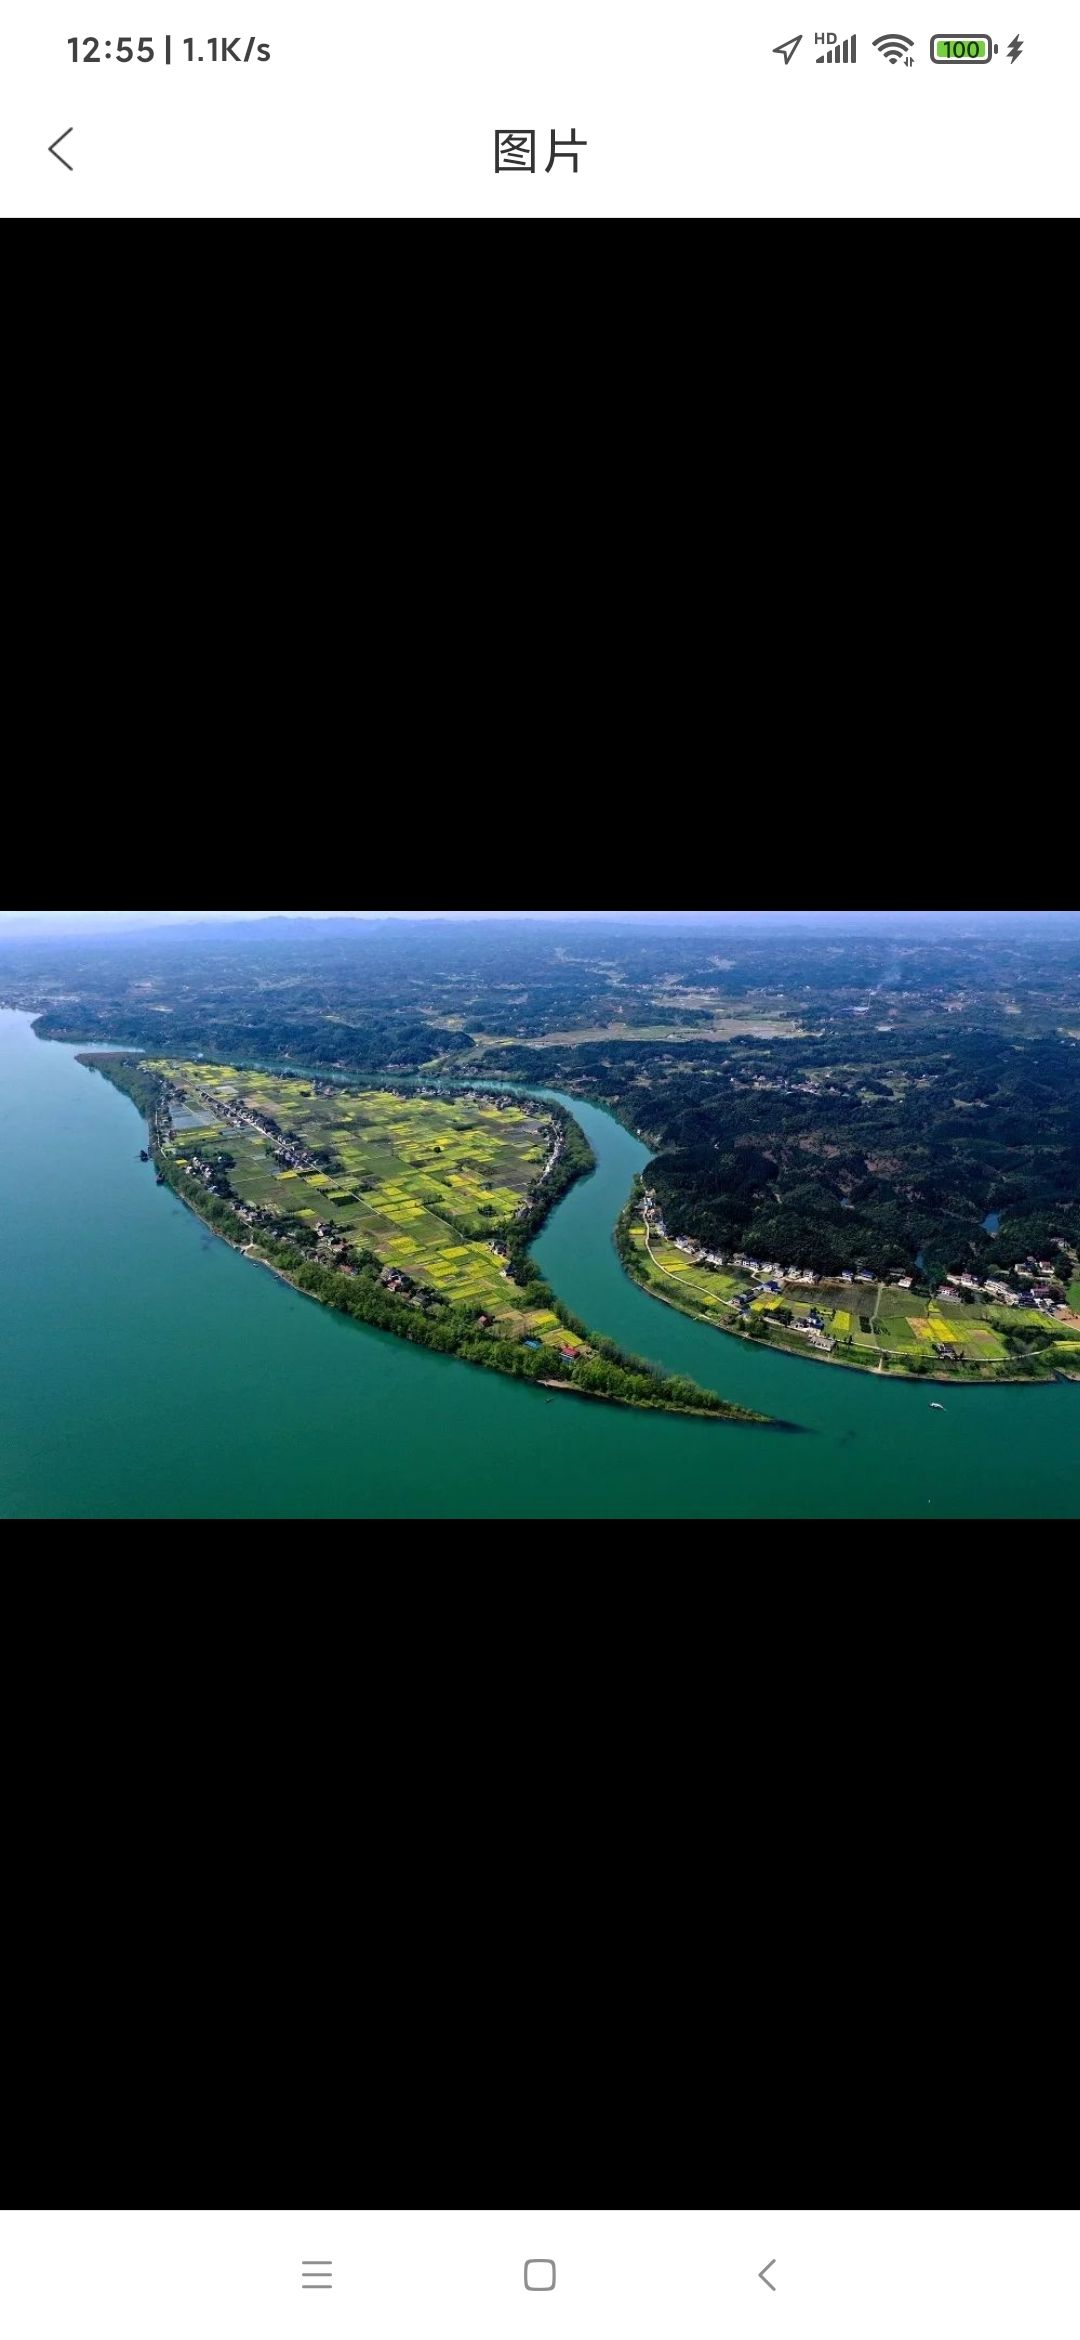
x=838, y=54
x=895, y=47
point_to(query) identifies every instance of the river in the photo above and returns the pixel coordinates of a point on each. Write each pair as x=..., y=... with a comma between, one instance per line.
x=148, y=1372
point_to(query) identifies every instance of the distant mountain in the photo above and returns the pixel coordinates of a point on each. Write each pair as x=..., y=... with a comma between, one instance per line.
x=283, y=926
x=916, y=923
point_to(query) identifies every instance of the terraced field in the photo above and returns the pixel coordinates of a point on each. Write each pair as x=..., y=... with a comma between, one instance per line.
x=427, y=1184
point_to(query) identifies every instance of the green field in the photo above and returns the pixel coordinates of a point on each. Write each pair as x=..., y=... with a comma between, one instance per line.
x=902, y=1327
x=427, y=1184
x=707, y=1289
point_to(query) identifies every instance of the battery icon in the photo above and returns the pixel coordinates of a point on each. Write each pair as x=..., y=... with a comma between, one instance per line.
x=962, y=49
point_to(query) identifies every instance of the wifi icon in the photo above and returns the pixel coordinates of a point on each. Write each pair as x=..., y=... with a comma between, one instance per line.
x=895, y=47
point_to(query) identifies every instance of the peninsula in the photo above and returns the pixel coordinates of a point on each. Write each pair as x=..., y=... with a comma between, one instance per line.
x=410, y=1211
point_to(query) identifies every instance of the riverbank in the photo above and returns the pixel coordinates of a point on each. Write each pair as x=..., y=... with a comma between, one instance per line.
x=148, y=1373
x=970, y=1373
x=589, y=1364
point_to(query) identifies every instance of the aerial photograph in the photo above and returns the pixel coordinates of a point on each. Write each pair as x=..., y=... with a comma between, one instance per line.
x=558, y=1215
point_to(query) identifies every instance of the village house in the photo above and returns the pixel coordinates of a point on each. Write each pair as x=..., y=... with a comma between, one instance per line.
x=395, y=1281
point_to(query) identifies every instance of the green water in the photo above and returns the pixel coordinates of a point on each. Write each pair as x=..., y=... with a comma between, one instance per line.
x=146, y=1371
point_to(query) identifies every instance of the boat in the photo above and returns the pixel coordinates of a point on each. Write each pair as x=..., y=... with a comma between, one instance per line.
x=144, y=1156
x=935, y=1408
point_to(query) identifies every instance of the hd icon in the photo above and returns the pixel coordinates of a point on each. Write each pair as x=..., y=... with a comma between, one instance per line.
x=836, y=52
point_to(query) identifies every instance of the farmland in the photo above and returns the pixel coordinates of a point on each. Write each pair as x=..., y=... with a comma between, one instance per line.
x=878, y=1328
x=411, y=1214
x=427, y=1185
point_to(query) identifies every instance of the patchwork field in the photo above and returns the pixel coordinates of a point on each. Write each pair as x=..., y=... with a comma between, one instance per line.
x=866, y=1325
x=427, y=1184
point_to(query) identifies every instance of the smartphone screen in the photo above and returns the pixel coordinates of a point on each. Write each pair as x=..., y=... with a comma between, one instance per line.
x=509, y=110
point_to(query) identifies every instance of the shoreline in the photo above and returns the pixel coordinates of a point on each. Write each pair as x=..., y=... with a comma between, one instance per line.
x=98, y=1059
x=400, y=1084
x=847, y=1364
x=680, y=1413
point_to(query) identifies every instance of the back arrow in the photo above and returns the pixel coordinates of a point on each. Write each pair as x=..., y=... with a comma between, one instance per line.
x=59, y=142
x=764, y=2276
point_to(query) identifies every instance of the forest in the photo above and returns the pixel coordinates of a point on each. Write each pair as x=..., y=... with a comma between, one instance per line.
x=888, y=1152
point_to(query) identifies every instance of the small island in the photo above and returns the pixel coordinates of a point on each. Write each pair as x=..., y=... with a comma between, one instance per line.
x=410, y=1210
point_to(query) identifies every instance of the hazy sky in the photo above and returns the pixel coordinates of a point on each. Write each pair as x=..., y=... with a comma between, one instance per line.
x=104, y=921
x=15, y=922
x=58, y=921
x=71, y=921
